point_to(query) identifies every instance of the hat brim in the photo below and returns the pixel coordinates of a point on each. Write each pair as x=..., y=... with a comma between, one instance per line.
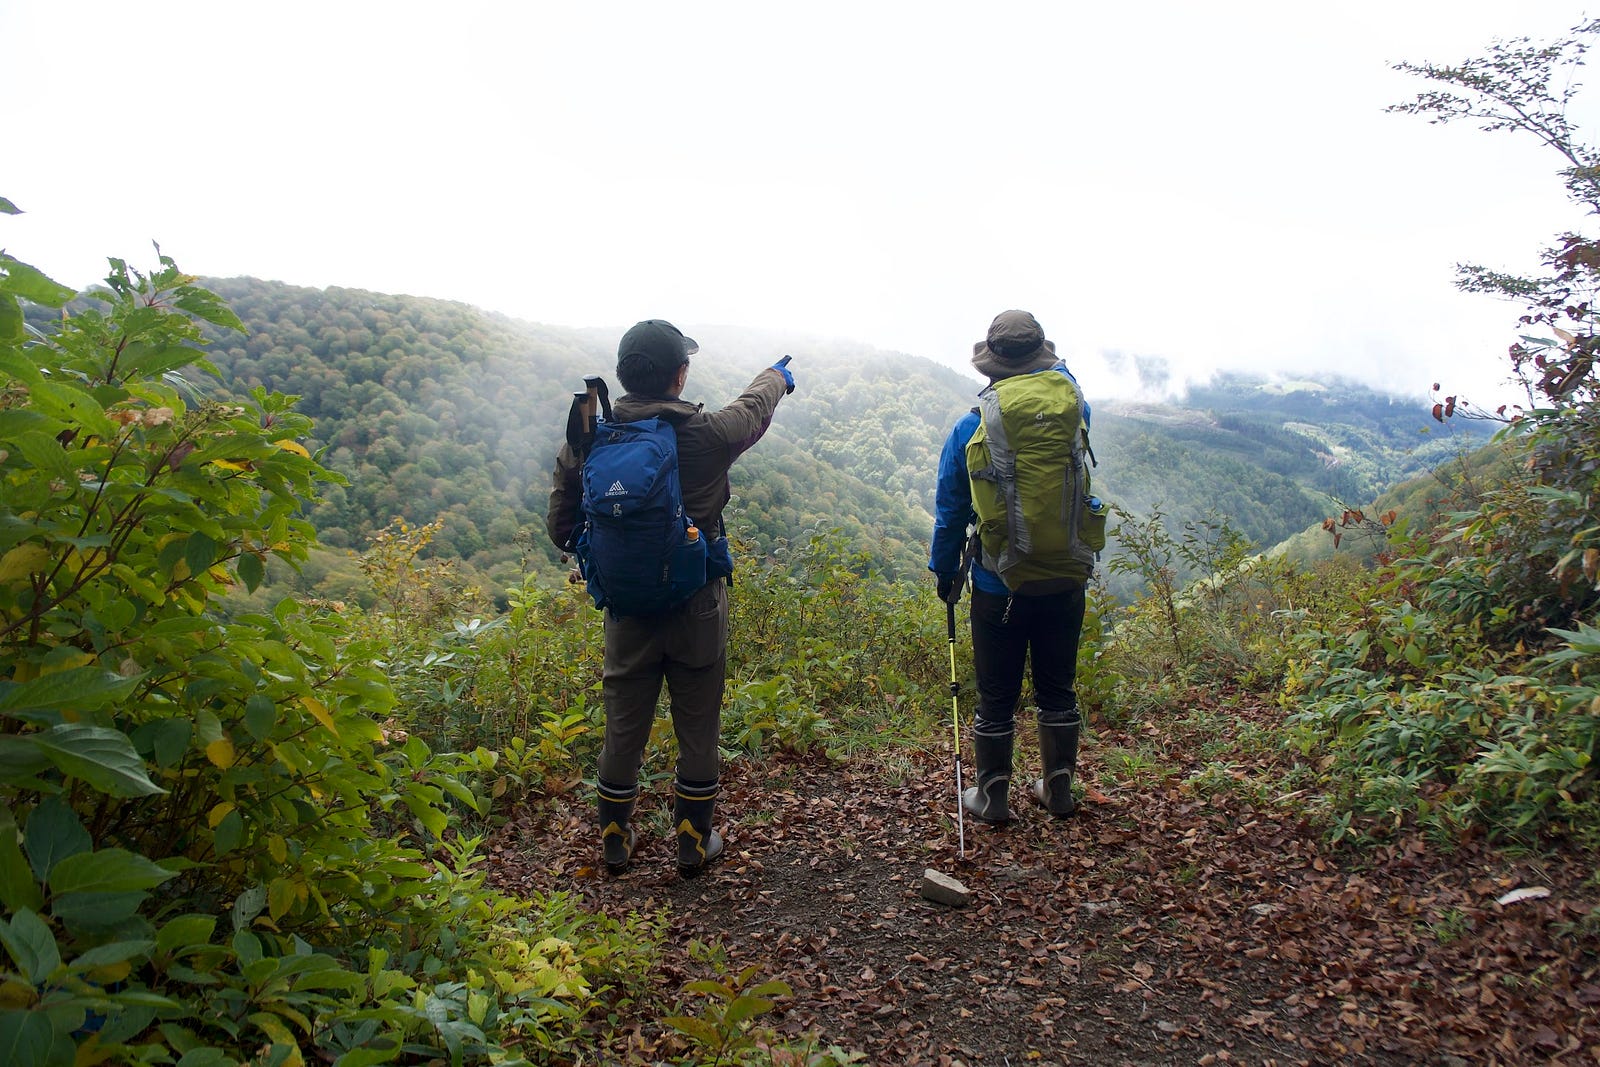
x=992, y=364
x=981, y=348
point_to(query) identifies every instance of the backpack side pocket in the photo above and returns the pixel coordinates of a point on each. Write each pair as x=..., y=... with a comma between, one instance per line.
x=1092, y=523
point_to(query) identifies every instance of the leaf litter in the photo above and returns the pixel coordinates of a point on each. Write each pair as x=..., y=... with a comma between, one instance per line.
x=1161, y=924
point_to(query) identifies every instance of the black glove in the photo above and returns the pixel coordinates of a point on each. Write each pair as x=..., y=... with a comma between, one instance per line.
x=947, y=589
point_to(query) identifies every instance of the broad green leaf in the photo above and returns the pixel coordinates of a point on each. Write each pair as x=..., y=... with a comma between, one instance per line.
x=8, y=208
x=96, y=912
x=30, y=283
x=14, y=422
x=206, y=1057
x=24, y=561
x=207, y=727
x=25, y=1039
x=434, y=820
x=103, y=758
x=165, y=739
x=143, y=998
x=773, y=988
x=73, y=404
x=12, y=323
x=54, y=833
x=379, y=1051
x=251, y=571
x=18, y=888
x=20, y=366
x=115, y=952
x=319, y=711
x=204, y=304
x=151, y=361
x=247, y=946
x=118, y=615
x=79, y=689
x=280, y=898
x=140, y=583
x=260, y=715
x=45, y=453
x=186, y=931
x=106, y=870
x=228, y=834
x=746, y=1007
x=459, y=789
x=20, y=759
x=131, y=1017
x=330, y=977
x=698, y=1029
x=199, y=552
x=31, y=944
x=184, y=624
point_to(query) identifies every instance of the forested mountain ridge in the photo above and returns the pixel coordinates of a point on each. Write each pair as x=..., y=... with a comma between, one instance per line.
x=437, y=410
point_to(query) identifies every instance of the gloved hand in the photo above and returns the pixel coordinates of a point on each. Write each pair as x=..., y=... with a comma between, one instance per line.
x=782, y=367
x=947, y=588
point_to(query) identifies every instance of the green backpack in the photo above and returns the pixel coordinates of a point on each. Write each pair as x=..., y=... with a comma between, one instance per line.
x=1039, y=528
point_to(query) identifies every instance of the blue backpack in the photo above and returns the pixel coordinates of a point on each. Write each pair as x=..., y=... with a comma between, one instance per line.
x=638, y=551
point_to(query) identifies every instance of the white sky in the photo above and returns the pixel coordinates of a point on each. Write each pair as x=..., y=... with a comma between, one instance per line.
x=1213, y=183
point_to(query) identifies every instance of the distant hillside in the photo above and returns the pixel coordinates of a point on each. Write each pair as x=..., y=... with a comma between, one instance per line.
x=439, y=410
x=1269, y=456
x=1419, y=504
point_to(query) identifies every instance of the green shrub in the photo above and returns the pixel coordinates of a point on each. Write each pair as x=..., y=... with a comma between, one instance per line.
x=216, y=843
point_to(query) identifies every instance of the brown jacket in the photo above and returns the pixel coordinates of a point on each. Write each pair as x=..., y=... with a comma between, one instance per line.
x=708, y=444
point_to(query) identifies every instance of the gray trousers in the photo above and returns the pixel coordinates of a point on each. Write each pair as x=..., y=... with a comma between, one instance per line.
x=688, y=649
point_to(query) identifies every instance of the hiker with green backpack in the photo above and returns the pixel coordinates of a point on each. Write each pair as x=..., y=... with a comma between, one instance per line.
x=1013, y=502
x=638, y=496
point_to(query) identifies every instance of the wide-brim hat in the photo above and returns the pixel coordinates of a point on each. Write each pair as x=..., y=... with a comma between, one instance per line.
x=1015, y=344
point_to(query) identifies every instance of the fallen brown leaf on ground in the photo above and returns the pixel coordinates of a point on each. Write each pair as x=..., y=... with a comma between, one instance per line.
x=1161, y=924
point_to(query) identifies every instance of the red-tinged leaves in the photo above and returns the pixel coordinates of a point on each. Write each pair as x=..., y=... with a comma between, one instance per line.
x=1438, y=412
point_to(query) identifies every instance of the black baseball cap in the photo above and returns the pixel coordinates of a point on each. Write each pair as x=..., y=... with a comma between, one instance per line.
x=658, y=341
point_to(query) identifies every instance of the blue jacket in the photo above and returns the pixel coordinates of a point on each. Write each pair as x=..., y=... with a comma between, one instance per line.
x=953, y=503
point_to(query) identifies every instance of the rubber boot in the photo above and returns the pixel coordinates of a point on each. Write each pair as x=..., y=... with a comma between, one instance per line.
x=617, y=835
x=692, y=808
x=1058, y=752
x=992, y=753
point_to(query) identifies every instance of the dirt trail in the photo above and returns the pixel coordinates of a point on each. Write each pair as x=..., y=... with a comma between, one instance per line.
x=1159, y=926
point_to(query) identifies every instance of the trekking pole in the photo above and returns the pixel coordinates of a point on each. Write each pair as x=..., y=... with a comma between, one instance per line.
x=955, y=726
x=597, y=402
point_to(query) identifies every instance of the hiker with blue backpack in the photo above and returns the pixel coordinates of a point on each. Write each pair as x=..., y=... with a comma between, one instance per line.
x=638, y=495
x=1013, y=502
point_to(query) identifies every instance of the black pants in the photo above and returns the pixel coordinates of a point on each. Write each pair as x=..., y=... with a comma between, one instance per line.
x=1006, y=632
